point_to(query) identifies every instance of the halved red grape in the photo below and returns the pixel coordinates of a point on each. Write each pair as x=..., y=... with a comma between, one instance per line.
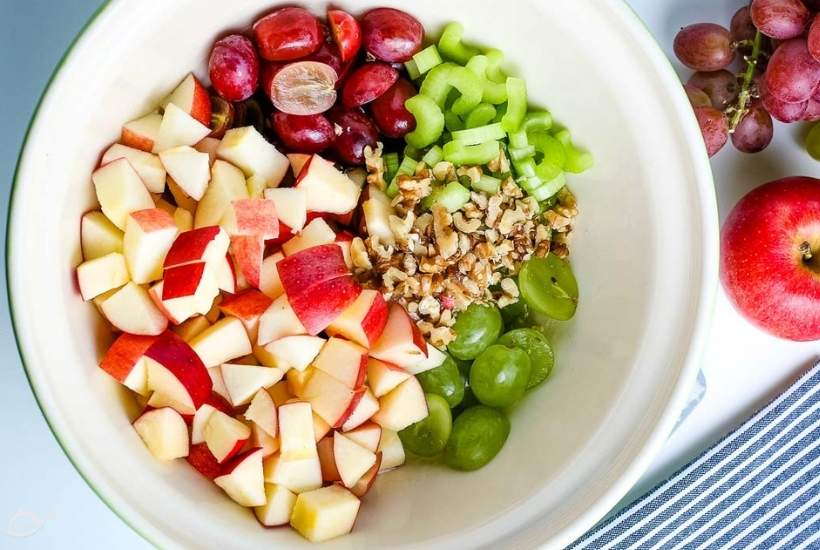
x=355, y=131
x=389, y=113
x=346, y=33
x=755, y=131
x=793, y=74
x=814, y=38
x=304, y=88
x=714, y=127
x=287, y=34
x=367, y=83
x=782, y=19
x=704, y=47
x=268, y=71
x=234, y=67
x=782, y=111
x=742, y=27
x=328, y=53
x=812, y=113
x=303, y=134
x=391, y=35
x=721, y=86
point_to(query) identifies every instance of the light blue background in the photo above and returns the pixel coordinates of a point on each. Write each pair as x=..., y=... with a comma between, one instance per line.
x=41, y=493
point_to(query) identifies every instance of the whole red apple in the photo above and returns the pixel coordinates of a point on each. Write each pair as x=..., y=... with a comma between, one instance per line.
x=770, y=265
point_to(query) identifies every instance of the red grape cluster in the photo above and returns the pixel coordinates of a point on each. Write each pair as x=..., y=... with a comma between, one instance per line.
x=778, y=42
x=308, y=82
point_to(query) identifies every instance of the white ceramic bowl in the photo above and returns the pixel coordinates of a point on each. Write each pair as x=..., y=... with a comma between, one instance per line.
x=645, y=254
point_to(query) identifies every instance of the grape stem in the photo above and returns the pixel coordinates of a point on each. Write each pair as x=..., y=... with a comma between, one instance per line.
x=746, y=89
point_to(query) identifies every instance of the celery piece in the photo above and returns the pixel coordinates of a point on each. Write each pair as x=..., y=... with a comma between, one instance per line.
x=483, y=114
x=521, y=153
x=433, y=156
x=392, y=189
x=460, y=154
x=537, y=120
x=519, y=139
x=478, y=65
x=529, y=184
x=407, y=166
x=488, y=184
x=525, y=168
x=474, y=136
x=412, y=69
x=451, y=46
x=553, y=151
x=549, y=188
x=578, y=160
x=493, y=93
x=495, y=58
x=452, y=196
x=391, y=165
x=429, y=121
x=426, y=59
x=428, y=201
x=516, y=104
x=452, y=121
x=441, y=79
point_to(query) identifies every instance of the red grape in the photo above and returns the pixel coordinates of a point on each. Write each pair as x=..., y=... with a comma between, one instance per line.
x=390, y=114
x=714, y=127
x=222, y=116
x=782, y=111
x=329, y=55
x=812, y=111
x=722, y=87
x=269, y=70
x=782, y=19
x=304, y=134
x=391, y=35
x=755, y=131
x=234, y=68
x=742, y=27
x=346, y=33
x=355, y=132
x=287, y=34
x=304, y=88
x=367, y=83
x=814, y=38
x=793, y=74
x=704, y=47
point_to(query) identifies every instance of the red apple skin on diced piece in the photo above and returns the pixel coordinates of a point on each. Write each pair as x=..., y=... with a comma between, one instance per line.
x=249, y=252
x=366, y=481
x=142, y=132
x=125, y=355
x=182, y=280
x=192, y=97
x=179, y=359
x=164, y=433
x=367, y=406
x=278, y=321
x=297, y=162
x=343, y=360
x=325, y=302
x=330, y=399
x=149, y=234
x=225, y=274
x=252, y=217
x=207, y=244
x=204, y=461
x=243, y=479
x=383, y=377
x=307, y=268
x=401, y=342
x=247, y=306
x=364, y=320
x=326, y=459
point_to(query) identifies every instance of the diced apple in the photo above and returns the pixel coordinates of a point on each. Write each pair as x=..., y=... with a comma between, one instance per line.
x=99, y=236
x=120, y=191
x=203, y=461
x=162, y=204
x=130, y=309
x=101, y=275
x=247, y=148
x=401, y=407
x=247, y=306
x=260, y=439
x=187, y=290
x=298, y=379
x=224, y=340
x=180, y=197
x=192, y=97
x=325, y=513
x=142, y=132
x=178, y=128
x=244, y=480
x=327, y=461
x=383, y=377
x=365, y=482
x=147, y=165
x=391, y=449
x=249, y=252
x=225, y=435
x=343, y=360
x=279, y=321
x=352, y=460
x=316, y=233
x=176, y=375
x=401, y=342
x=191, y=327
x=226, y=276
x=164, y=433
x=367, y=406
x=205, y=244
x=256, y=187
x=297, y=162
x=262, y=412
x=149, y=235
x=269, y=283
x=189, y=168
x=328, y=189
x=376, y=211
x=214, y=314
x=183, y=219
x=295, y=352
x=124, y=361
x=434, y=359
x=201, y=417
x=368, y=435
x=298, y=474
x=291, y=205
x=244, y=381
x=227, y=184
x=343, y=241
x=218, y=383
x=278, y=506
x=280, y=393
x=326, y=301
x=251, y=217
x=320, y=427
x=296, y=434
x=331, y=399
x=209, y=146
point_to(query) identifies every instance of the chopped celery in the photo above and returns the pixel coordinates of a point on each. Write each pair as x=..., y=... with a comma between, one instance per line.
x=478, y=65
x=407, y=166
x=553, y=151
x=426, y=59
x=391, y=165
x=549, y=188
x=483, y=114
x=519, y=139
x=525, y=167
x=460, y=154
x=537, y=120
x=436, y=84
x=529, y=184
x=577, y=160
x=452, y=196
x=433, y=156
x=488, y=184
x=522, y=152
x=500, y=111
x=495, y=58
x=441, y=79
x=453, y=122
x=451, y=46
x=492, y=92
x=474, y=136
x=429, y=121
x=516, y=104
x=412, y=69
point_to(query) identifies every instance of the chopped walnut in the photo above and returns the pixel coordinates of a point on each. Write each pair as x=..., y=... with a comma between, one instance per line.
x=493, y=211
x=509, y=218
x=374, y=163
x=556, y=221
x=472, y=172
x=465, y=226
x=510, y=189
x=411, y=190
x=446, y=238
x=444, y=171
x=358, y=254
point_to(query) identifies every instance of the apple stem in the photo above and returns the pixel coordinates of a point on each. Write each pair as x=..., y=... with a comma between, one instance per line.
x=805, y=250
x=745, y=95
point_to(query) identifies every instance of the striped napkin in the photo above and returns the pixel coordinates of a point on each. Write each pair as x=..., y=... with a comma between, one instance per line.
x=759, y=487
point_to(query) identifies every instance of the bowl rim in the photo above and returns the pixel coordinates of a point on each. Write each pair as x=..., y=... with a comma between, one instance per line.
x=654, y=441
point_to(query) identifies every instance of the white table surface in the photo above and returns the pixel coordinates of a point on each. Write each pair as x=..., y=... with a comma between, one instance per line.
x=45, y=504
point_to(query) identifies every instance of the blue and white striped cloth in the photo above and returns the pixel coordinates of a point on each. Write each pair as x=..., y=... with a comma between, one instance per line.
x=759, y=487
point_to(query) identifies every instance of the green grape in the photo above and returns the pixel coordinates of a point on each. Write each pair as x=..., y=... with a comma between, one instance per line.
x=445, y=380
x=549, y=287
x=813, y=142
x=500, y=375
x=464, y=366
x=428, y=437
x=537, y=347
x=476, y=328
x=478, y=435
x=516, y=315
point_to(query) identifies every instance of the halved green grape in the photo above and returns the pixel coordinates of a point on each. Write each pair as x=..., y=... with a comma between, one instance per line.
x=499, y=376
x=516, y=315
x=445, y=380
x=476, y=328
x=429, y=436
x=537, y=347
x=549, y=287
x=478, y=435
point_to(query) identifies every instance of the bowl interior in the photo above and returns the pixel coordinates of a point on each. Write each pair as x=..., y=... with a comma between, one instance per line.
x=643, y=253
